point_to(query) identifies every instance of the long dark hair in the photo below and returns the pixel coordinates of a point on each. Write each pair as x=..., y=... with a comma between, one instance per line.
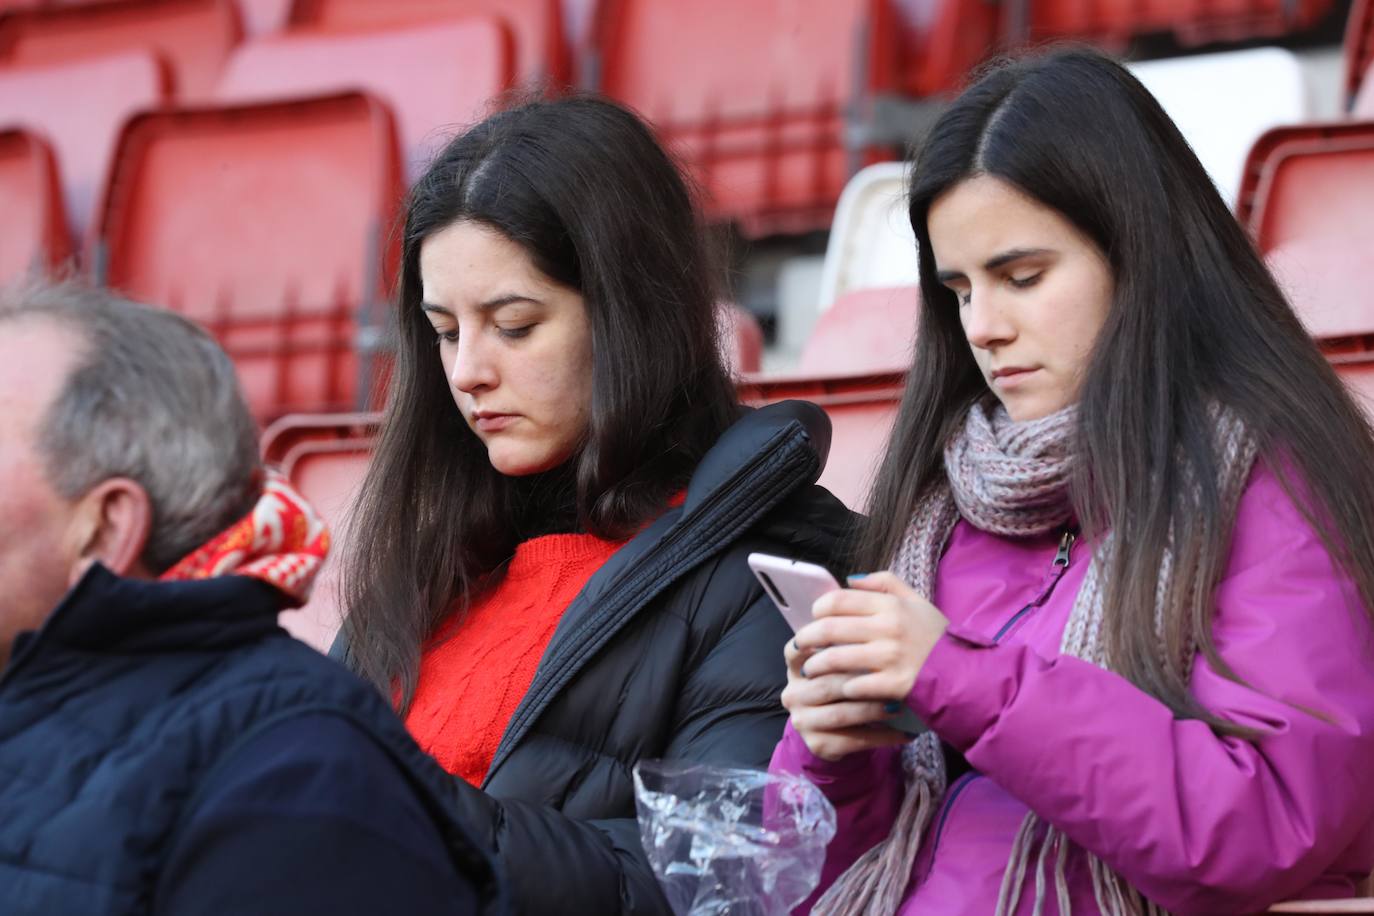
x=581, y=184
x=1196, y=318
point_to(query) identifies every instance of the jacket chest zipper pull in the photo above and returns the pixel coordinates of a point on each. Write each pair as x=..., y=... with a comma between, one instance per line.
x=1061, y=557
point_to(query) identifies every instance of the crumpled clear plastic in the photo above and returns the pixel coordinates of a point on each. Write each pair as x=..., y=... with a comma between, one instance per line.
x=731, y=842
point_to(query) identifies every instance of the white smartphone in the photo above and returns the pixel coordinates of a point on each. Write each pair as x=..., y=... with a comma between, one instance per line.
x=794, y=586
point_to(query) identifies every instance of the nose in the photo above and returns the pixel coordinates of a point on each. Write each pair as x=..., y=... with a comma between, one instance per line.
x=472, y=368
x=986, y=323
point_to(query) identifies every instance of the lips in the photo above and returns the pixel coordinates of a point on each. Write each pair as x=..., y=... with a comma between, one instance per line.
x=490, y=422
x=1011, y=375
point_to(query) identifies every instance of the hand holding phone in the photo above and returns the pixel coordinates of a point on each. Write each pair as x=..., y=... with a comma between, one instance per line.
x=794, y=586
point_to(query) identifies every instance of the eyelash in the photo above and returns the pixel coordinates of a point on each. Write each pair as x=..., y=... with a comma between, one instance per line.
x=441, y=337
x=1026, y=283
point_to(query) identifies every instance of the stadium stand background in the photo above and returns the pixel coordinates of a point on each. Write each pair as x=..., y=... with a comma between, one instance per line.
x=243, y=161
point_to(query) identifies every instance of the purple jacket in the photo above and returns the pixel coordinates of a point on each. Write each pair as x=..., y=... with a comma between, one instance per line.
x=1199, y=824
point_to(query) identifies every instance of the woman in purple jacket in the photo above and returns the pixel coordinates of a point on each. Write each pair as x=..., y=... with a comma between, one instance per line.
x=1127, y=512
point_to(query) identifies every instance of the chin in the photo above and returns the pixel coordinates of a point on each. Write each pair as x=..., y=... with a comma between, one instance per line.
x=522, y=465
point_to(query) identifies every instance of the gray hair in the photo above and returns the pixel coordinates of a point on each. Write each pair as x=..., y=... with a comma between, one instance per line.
x=153, y=399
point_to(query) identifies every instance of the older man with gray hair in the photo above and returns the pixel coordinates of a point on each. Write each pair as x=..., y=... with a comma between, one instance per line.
x=164, y=746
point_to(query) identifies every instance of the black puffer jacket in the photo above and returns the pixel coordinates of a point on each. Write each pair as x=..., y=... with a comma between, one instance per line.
x=671, y=651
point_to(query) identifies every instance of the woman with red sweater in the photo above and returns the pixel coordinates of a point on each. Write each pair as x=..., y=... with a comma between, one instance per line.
x=548, y=573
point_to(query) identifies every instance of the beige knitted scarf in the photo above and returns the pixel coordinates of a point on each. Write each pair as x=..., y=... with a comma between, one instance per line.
x=1011, y=479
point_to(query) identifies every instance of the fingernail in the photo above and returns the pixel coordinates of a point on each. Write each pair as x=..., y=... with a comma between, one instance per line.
x=892, y=707
x=803, y=669
x=858, y=576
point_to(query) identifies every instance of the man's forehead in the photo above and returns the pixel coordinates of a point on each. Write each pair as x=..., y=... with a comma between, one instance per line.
x=36, y=355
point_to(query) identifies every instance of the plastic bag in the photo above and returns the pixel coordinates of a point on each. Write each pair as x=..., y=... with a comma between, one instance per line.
x=731, y=842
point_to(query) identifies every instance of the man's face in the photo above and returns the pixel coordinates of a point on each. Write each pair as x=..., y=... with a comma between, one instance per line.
x=37, y=545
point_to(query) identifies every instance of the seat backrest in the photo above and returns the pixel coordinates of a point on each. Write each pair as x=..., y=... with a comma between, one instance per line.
x=194, y=37
x=328, y=473
x=1193, y=22
x=436, y=78
x=1223, y=102
x=80, y=106
x=541, y=46
x=266, y=223
x=755, y=97
x=861, y=408
x=33, y=232
x=871, y=243
x=1358, y=50
x=1311, y=181
x=866, y=331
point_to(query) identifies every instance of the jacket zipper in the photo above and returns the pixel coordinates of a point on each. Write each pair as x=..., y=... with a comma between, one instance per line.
x=1062, y=557
x=955, y=791
x=1061, y=563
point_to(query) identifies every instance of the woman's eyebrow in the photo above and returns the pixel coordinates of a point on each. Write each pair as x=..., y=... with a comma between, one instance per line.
x=508, y=299
x=1015, y=254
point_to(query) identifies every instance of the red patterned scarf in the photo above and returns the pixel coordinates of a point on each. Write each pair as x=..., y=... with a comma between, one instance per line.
x=282, y=541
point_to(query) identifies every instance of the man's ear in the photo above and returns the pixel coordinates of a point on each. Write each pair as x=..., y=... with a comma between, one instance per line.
x=113, y=524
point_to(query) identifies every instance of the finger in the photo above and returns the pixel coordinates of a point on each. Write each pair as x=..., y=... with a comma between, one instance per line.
x=836, y=631
x=873, y=686
x=814, y=691
x=855, y=659
x=837, y=716
x=884, y=583
x=834, y=745
x=848, y=601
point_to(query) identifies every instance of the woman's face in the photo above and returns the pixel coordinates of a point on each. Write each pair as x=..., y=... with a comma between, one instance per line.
x=516, y=347
x=1033, y=291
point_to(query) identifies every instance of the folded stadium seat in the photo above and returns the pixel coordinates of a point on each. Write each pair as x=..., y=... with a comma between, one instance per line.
x=541, y=46
x=1312, y=181
x=325, y=456
x=866, y=331
x=772, y=105
x=79, y=107
x=33, y=230
x=1308, y=200
x=273, y=226
x=871, y=243
x=861, y=410
x=1223, y=102
x=436, y=77
x=1359, y=55
x=194, y=37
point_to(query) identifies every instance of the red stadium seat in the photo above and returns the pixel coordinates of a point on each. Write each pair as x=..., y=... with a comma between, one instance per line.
x=193, y=36
x=33, y=230
x=1359, y=56
x=541, y=48
x=80, y=106
x=861, y=410
x=865, y=331
x=945, y=41
x=325, y=457
x=436, y=77
x=268, y=224
x=1312, y=181
x=766, y=102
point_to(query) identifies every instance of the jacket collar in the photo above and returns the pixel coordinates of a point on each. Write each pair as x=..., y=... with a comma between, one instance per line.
x=106, y=613
x=767, y=455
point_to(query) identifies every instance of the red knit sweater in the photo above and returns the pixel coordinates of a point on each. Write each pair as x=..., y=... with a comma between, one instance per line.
x=475, y=671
